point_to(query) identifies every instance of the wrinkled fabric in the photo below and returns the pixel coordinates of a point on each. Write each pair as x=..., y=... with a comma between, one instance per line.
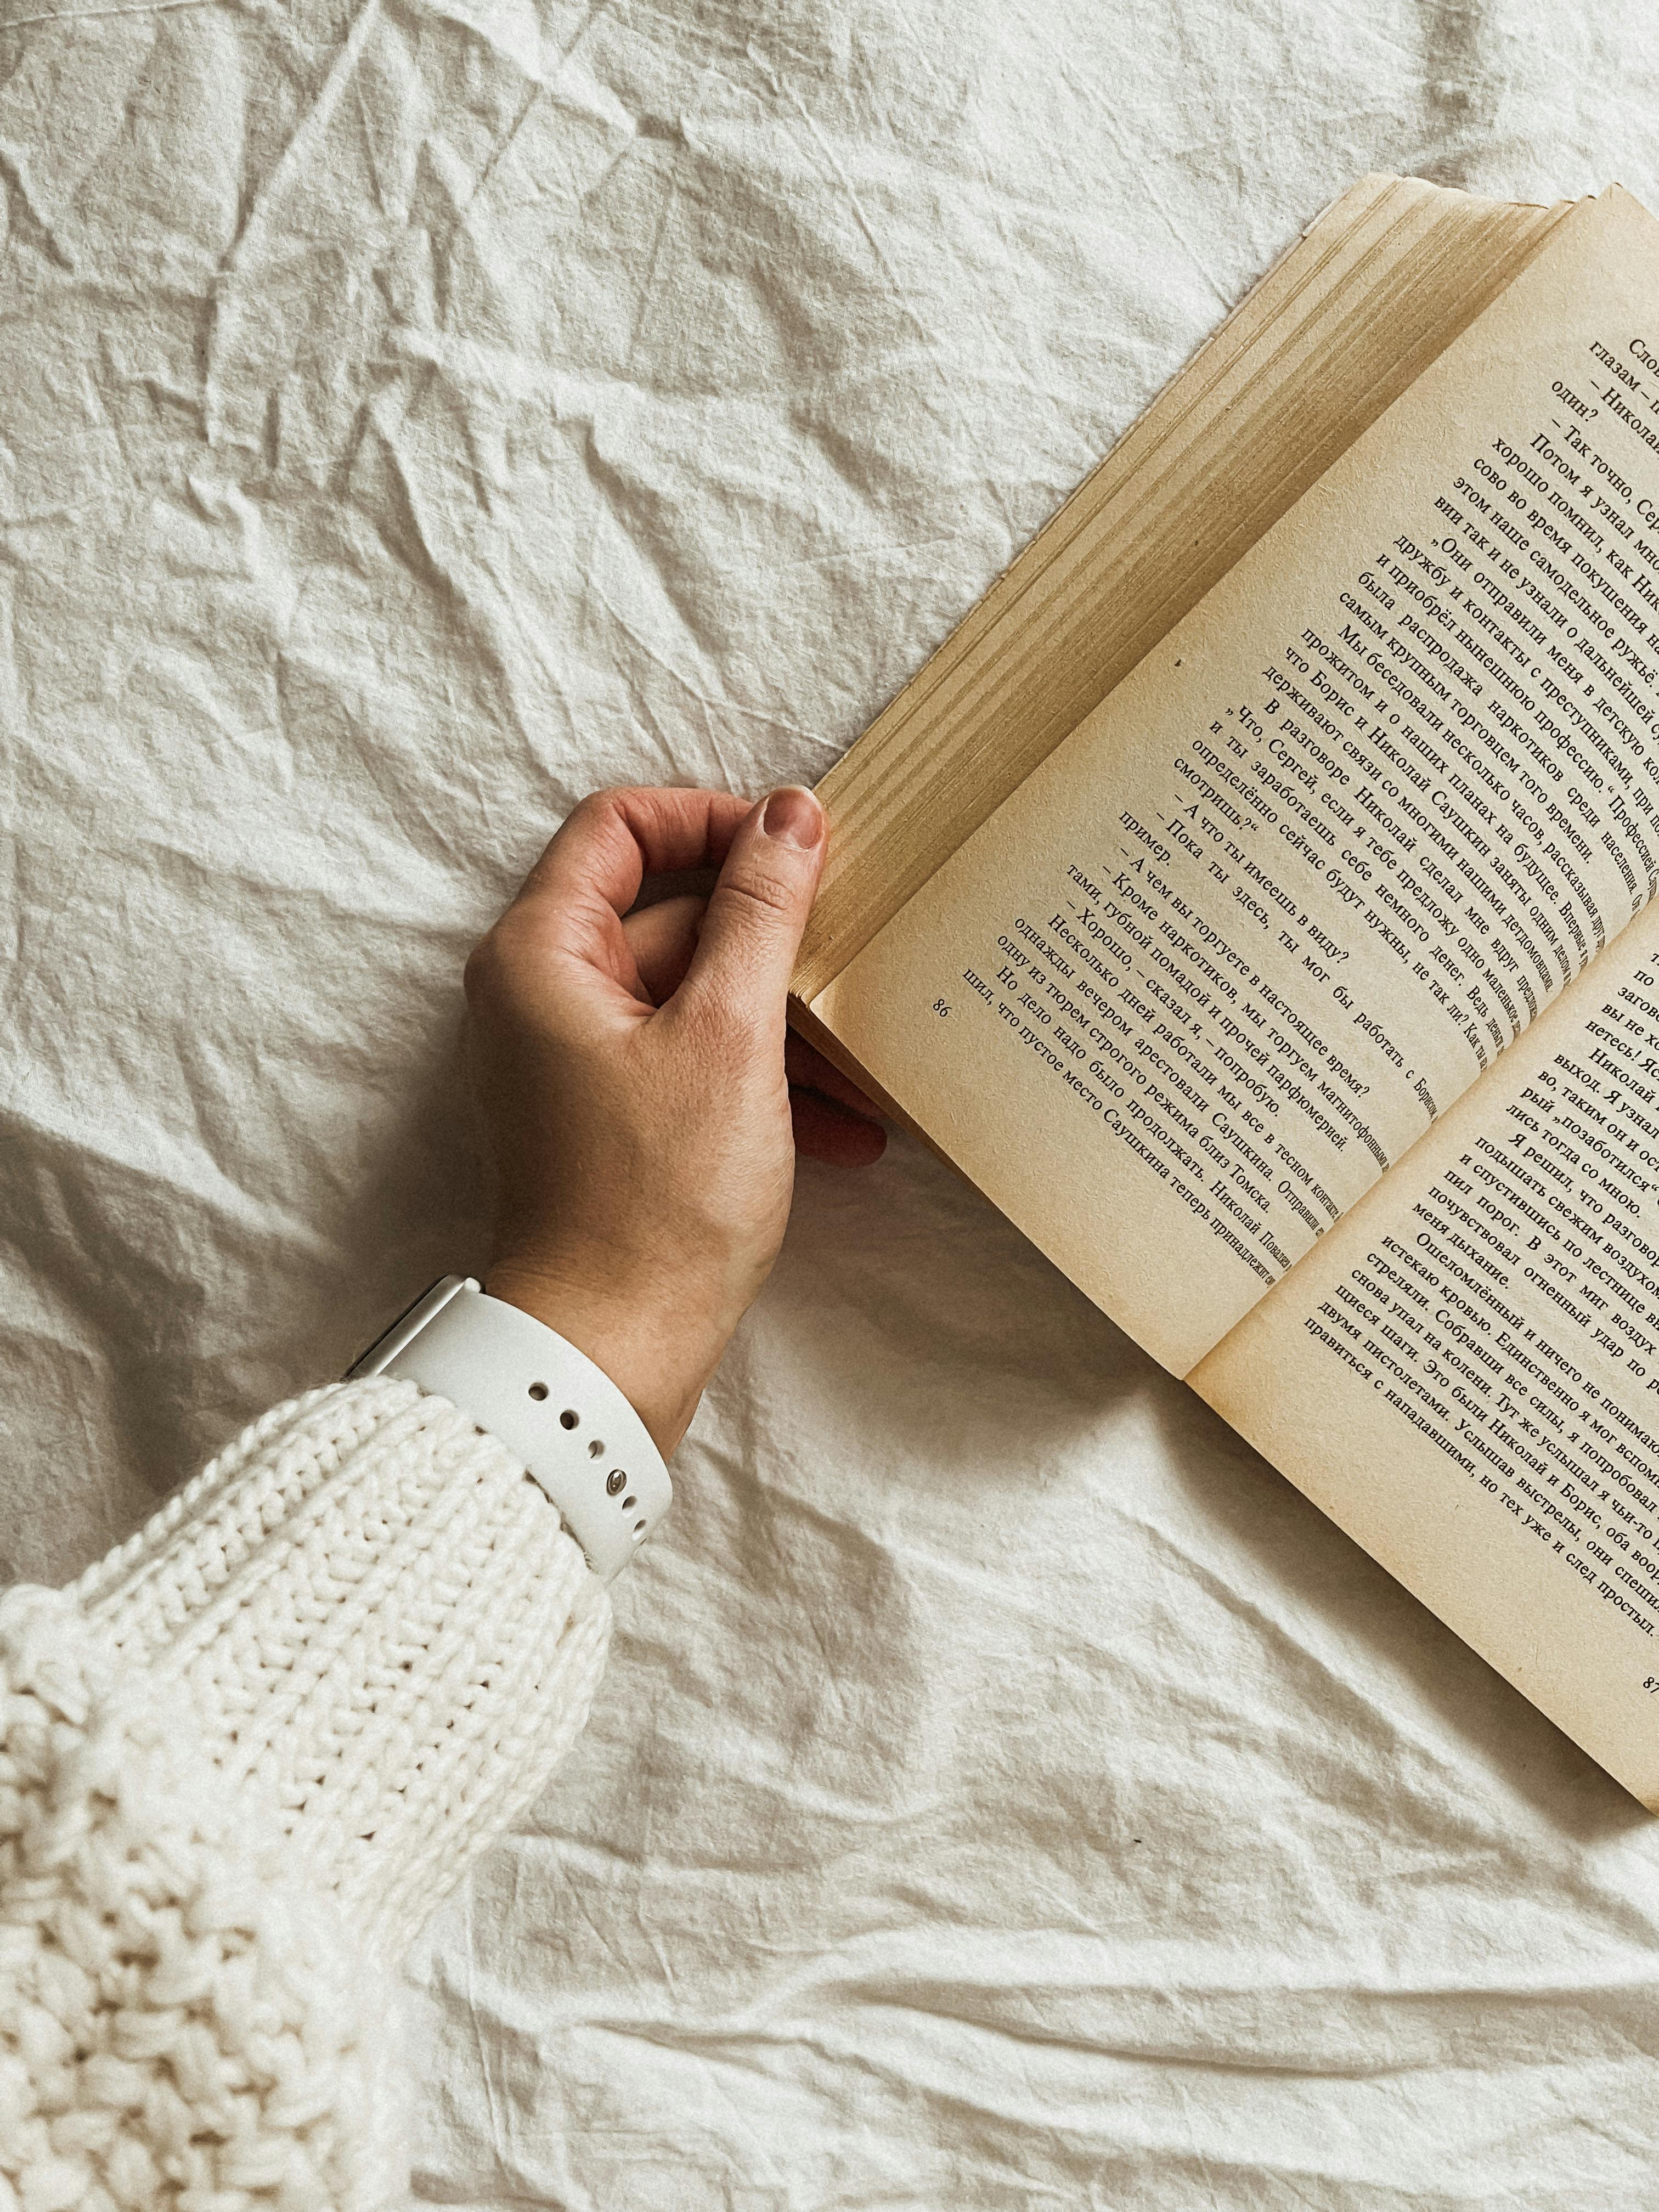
x=1007, y=1792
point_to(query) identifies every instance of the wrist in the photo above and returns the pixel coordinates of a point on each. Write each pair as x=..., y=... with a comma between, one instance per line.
x=658, y=1359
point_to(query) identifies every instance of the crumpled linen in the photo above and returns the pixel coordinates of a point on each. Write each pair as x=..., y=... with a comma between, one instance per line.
x=1007, y=1792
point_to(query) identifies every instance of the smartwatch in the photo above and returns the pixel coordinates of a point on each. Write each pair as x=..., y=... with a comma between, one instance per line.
x=579, y=1438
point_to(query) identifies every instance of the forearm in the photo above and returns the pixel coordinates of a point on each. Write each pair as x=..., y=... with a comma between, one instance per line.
x=240, y=1761
x=378, y=1625
x=252, y=1748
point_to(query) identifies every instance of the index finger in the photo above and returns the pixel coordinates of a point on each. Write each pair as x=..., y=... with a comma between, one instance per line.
x=591, y=873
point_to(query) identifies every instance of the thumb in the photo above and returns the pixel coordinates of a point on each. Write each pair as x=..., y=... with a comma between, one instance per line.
x=752, y=930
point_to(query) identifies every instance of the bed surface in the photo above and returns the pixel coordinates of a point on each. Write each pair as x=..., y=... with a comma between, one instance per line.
x=1006, y=1792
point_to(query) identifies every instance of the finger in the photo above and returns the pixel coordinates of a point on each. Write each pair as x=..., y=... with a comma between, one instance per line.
x=804, y=1064
x=825, y=1131
x=662, y=939
x=590, y=874
x=759, y=910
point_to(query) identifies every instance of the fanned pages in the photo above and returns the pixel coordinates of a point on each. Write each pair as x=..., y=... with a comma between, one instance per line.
x=1384, y=280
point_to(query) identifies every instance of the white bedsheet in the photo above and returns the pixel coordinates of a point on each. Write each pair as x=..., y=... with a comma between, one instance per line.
x=1007, y=1792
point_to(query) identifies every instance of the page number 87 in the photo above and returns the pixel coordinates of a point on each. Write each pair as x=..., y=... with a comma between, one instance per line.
x=1651, y=1683
x=941, y=1007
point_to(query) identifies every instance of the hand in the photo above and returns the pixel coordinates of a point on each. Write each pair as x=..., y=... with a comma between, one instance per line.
x=643, y=1101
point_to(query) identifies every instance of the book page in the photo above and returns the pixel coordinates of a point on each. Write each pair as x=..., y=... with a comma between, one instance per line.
x=1331, y=847
x=1465, y=1376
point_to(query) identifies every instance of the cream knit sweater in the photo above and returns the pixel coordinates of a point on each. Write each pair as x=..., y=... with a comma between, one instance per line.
x=240, y=1760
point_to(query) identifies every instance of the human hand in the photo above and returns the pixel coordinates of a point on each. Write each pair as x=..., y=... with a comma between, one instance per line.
x=643, y=1100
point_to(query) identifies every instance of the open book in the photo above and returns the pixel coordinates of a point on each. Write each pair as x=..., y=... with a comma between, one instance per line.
x=1254, y=898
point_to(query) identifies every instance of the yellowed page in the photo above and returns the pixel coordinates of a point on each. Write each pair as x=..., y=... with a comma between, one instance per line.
x=1325, y=852
x=1465, y=1376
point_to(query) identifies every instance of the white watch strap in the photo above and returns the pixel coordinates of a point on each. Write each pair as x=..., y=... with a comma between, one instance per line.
x=576, y=1433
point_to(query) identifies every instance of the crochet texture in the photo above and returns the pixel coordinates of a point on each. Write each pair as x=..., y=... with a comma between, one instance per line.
x=239, y=1762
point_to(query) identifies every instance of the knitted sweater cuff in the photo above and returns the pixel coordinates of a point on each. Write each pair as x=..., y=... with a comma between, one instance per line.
x=383, y=1633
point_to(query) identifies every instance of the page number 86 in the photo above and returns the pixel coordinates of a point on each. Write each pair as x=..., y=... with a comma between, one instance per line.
x=941, y=1007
